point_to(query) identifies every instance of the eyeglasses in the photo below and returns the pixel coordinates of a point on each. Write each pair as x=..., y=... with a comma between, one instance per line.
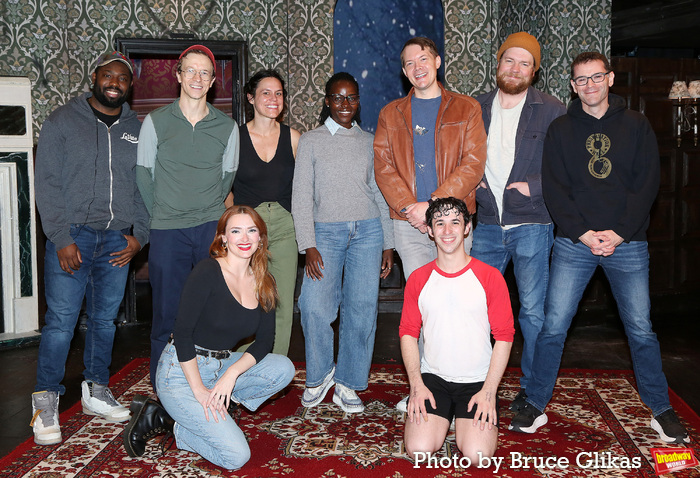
x=583, y=80
x=190, y=73
x=340, y=99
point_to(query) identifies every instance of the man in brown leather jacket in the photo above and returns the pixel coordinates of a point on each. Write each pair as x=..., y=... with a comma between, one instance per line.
x=428, y=145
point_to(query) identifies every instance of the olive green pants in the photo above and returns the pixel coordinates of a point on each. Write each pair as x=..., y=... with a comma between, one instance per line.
x=283, y=267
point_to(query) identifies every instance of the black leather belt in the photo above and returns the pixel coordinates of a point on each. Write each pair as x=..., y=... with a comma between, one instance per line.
x=215, y=354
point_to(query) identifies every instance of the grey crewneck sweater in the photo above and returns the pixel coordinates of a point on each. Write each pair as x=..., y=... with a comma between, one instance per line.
x=334, y=182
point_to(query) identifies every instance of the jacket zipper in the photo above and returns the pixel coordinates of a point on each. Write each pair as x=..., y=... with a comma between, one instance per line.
x=111, y=175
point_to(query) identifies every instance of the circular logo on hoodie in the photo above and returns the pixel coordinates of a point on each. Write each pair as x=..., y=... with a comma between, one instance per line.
x=599, y=166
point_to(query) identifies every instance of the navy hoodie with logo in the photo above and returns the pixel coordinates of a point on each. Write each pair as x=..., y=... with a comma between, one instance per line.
x=85, y=173
x=600, y=174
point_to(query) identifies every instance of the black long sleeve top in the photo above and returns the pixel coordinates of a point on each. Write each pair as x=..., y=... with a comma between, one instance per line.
x=210, y=317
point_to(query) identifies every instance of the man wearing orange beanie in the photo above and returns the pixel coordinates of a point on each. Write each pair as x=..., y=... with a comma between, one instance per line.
x=513, y=222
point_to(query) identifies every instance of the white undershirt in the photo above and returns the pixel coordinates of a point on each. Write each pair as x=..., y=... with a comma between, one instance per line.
x=500, y=154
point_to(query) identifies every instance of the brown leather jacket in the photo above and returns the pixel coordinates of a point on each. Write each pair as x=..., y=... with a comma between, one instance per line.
x=460, y=154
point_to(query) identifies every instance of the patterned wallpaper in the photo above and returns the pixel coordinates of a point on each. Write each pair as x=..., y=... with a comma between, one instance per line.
x=310, y=59
x=475, y=29
x=564, y=29
x=55, y=42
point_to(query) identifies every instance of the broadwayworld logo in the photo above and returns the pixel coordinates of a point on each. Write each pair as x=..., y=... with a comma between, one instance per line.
x=667, y=460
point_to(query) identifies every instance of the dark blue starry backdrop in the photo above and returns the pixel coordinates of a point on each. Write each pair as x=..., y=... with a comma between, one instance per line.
x=367, y=40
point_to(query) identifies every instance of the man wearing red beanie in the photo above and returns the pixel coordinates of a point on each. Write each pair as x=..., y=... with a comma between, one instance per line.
x=187, y=157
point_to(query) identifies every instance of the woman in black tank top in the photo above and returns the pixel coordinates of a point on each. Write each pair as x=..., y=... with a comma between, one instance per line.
x=264, y=181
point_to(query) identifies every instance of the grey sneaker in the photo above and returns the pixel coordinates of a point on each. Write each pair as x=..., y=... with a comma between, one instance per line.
x=98, y=400
x=47, y=431
x=347, y=399
x=314, y=395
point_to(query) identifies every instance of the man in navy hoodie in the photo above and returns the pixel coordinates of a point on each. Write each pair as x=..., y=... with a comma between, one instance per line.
x=95, y=222
x=600, y=176
x=513, y=222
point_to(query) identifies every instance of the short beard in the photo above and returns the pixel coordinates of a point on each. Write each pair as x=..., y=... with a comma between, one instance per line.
x=106, y=101
x=512, y=88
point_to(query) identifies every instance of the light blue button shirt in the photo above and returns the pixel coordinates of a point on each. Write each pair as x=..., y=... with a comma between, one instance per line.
x=333, y=127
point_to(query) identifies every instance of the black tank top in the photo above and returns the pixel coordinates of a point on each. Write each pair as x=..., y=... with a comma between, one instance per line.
x=257, y=181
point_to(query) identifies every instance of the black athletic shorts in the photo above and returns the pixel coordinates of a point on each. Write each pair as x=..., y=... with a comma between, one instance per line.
x=452, y=399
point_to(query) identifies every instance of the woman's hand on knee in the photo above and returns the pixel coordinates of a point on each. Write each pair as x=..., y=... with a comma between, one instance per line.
x=220, y=396
x=202, y=396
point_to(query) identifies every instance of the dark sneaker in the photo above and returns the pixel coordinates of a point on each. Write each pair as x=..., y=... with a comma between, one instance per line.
x=528, y=419
x=518, y=402
x=670, y=428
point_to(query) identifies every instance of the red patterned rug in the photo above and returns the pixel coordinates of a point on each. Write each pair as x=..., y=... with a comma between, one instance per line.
x=597, y=427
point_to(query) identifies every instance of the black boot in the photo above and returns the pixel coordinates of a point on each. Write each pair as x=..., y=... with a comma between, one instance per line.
x=148, y=419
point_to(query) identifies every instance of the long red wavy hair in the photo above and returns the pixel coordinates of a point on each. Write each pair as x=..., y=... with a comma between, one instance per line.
x=265, y=286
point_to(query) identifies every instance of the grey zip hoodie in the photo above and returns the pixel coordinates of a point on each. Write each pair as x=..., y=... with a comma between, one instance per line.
x=85, y=173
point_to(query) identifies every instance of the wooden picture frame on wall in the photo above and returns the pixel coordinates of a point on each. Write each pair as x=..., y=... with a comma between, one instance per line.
x=155, y=84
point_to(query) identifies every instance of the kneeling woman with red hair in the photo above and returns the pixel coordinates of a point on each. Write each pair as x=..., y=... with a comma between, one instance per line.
x=227, y=297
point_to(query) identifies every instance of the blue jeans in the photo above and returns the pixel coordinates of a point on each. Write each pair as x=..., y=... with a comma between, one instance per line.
x=627, y=270
x=102, y=285
x=222, y=442
x=352, y=256
x=172, y=255
x=528, y=246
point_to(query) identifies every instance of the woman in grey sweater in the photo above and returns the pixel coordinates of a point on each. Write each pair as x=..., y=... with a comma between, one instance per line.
x=342, y=224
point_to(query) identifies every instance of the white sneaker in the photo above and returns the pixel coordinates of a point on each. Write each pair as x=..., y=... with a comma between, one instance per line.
x=47, y=431
x=314, y=395
x=98, y=400
x=347, y=399
x=402, y=406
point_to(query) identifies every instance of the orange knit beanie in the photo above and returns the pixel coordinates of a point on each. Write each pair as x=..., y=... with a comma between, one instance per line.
x=522, y=40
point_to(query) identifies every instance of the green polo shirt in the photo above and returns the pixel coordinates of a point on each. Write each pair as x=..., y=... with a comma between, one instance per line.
x=183, y=172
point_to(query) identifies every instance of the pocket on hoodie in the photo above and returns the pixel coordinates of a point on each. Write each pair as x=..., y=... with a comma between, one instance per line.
x=513, y=200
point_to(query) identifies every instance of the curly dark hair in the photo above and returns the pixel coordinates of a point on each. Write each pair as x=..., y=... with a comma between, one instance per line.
x=326, y=110
x=442, y=206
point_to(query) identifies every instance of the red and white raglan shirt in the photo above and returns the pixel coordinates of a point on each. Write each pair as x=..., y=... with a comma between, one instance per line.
x=458, y=314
